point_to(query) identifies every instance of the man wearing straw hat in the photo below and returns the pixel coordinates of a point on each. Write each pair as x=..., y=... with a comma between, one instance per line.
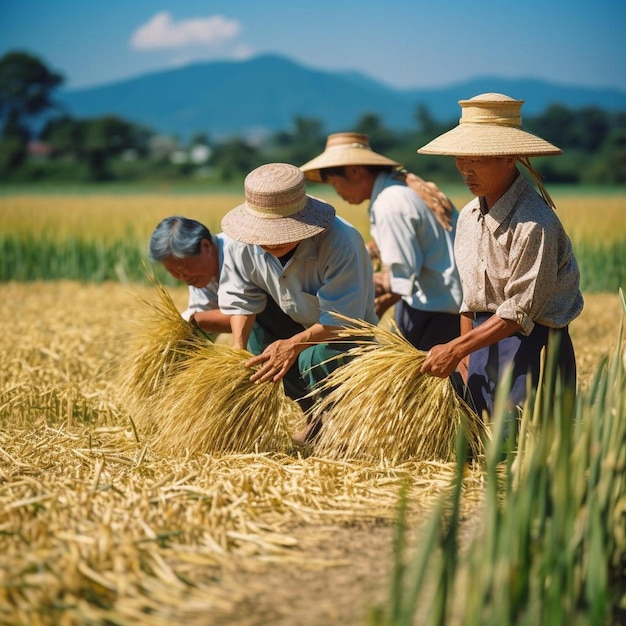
x=418, y=274
x=519, y=276
x=291, y=252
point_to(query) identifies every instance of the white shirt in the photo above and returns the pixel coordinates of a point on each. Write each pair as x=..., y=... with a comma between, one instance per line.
x=416, y=250
x=205, y=298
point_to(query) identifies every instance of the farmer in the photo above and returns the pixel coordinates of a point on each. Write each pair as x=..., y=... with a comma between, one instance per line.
x=418, y=273
x=190, y=253
x=296, y=256
x=519, y=276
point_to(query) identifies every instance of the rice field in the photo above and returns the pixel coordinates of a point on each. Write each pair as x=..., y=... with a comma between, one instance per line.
x=98, y=525
x=104, y=237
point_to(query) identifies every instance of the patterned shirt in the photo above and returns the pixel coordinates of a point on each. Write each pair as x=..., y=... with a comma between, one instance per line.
x=329, y=272
x=516, y=261
x=416, y=250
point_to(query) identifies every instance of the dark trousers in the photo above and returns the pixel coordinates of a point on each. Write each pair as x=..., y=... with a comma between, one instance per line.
x=425, y=329
x=487, y=365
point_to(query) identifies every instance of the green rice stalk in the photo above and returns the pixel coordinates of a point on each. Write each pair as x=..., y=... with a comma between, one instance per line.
x=380, y=406
x=210, y=406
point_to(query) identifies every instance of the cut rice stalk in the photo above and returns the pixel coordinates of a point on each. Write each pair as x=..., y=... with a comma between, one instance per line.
x=380, y=406
x=159, y=340
x=210, y=406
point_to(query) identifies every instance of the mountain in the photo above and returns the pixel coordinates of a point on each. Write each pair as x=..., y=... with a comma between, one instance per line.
x=266, y=93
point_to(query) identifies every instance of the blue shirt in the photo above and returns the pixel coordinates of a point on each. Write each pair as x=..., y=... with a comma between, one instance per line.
x=329, y=272
x=416, y=250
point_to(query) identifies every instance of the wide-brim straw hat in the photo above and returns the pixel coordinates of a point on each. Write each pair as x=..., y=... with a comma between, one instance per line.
x=345, y=149
x=490, y=125
x=277, y=209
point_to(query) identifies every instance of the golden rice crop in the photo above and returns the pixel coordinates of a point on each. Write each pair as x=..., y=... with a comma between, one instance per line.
x=106, y=217
x=380, y=406
x=97, y=529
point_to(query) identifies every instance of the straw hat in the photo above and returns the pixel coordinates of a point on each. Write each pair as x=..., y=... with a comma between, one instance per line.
x=345, y=149
x=277, y=209
x=490, y=125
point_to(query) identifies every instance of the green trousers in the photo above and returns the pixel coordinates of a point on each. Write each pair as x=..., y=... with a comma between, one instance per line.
x=314, y=363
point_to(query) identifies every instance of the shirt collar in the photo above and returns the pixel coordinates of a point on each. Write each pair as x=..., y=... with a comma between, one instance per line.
x=386, y=179
x=501, y=210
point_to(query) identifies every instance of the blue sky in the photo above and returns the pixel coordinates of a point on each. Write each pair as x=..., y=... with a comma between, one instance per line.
x=404, y=43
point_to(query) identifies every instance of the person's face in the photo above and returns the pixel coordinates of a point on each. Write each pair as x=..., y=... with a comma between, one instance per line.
x=197, y=270
x=281, y=249
x=487, y=176
x=356, y=186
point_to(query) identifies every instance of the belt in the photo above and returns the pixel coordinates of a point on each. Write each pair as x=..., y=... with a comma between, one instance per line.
x=481, y=314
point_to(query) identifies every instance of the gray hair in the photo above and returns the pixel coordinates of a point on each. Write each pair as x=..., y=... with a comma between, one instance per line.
x=177, y=236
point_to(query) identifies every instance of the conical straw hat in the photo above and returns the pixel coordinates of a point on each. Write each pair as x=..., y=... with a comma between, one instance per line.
x=490, y=125
x=345, y=149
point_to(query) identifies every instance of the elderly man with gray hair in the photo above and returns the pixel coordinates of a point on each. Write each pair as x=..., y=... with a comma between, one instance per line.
x=190, y=253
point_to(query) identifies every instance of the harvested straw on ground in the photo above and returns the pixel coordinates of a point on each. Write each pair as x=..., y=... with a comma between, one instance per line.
x=209, y=405
x=158, y=341
x=380, y=406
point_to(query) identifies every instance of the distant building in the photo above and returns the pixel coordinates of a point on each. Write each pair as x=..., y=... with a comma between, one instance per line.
x=40, y=150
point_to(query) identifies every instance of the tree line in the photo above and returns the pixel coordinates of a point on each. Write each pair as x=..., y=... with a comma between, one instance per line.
x=41, y=142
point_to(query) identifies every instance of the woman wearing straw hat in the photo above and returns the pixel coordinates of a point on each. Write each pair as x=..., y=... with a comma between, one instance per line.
x=520, y=278
x=418, y=274
x=293, y=253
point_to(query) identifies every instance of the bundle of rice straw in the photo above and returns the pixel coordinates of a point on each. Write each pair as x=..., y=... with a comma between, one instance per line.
x=157, y=342
x=380, y=406
x=190, y=395
x=210, y=406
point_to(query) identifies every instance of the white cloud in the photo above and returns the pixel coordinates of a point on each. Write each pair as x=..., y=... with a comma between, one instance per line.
x=242, y=52
x=162, y=32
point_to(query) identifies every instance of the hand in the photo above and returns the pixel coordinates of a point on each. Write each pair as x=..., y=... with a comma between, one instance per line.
x=382, y=283
x=441, y=361
x=275, y=361
x=434, y=198
x=384, y=302
x=374, y=253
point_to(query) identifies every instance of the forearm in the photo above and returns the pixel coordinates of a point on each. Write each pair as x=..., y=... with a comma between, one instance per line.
x=488, y=333
x=241, y=327
x=318, y=333
x=443, y=359
x=212, y=321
